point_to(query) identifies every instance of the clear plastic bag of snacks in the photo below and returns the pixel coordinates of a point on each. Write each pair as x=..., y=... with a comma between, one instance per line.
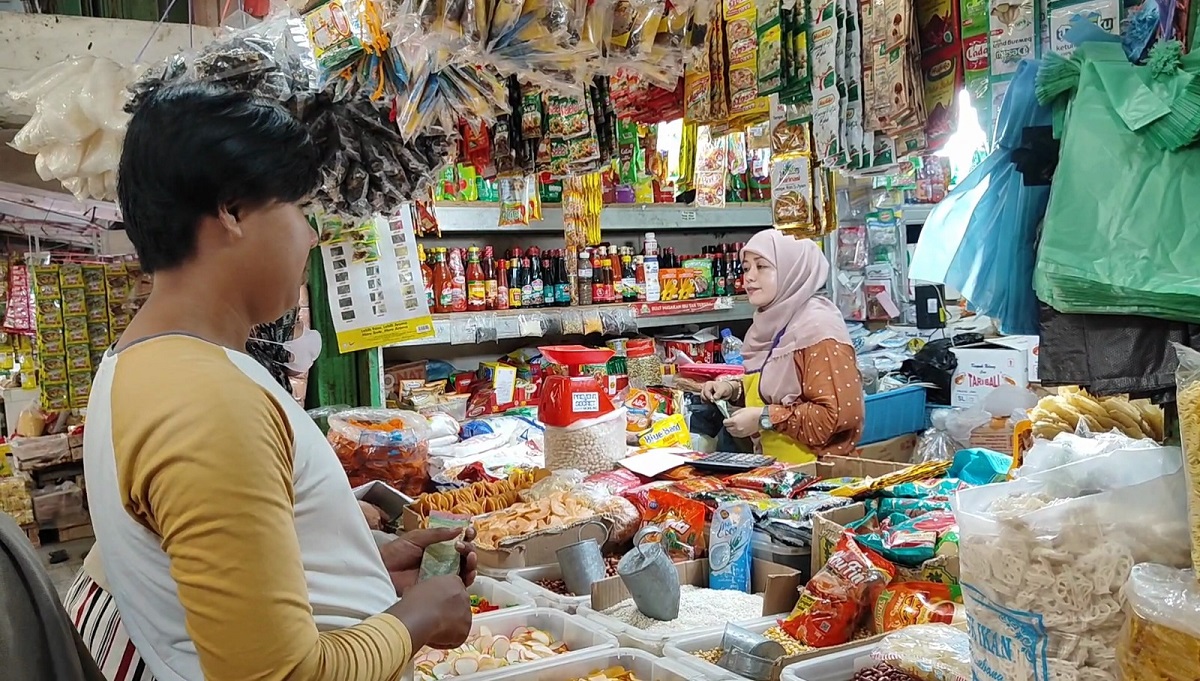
x=390, y=445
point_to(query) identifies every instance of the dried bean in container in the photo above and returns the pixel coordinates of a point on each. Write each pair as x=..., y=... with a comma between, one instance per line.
x=882, y=673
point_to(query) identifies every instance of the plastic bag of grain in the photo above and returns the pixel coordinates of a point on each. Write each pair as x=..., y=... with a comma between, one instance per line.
x=1187, y=385
x=1161, y=638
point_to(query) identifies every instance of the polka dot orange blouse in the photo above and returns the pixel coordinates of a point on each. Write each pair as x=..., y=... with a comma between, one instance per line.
x=828, y=415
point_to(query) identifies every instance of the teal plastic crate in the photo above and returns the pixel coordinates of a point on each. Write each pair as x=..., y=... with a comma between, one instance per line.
x=893, y=413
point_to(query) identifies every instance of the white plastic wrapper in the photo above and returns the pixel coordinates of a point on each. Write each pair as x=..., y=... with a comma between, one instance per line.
x=78, y=124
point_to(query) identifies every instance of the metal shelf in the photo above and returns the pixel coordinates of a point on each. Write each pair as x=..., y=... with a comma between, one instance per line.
x=483, y=218
x=462, y=328
x=917, y=213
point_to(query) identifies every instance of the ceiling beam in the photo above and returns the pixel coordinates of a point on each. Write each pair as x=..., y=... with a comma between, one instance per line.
x=31, y=42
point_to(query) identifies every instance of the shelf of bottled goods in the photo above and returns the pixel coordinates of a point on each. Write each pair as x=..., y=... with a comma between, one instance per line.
x=465, y=328
x=476, y=218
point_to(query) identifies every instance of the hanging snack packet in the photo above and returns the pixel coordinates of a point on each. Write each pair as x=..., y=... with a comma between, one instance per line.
x=838, y=598
x=729, y=556
x=442, y=558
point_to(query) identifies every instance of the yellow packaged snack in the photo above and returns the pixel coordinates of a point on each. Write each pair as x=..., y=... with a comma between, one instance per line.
x=669, y=432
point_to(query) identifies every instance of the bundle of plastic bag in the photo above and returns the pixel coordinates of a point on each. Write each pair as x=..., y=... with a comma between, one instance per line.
x=927, y=652
x=1161, y=639
x=981, y=239
x=78, y=124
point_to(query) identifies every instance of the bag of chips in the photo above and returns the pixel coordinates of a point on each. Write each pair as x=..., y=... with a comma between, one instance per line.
x=839, y=598
x=778, y=480
x=907, y=603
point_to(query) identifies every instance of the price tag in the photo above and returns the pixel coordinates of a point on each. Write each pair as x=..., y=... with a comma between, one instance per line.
x=585, y=402
x=687, y=216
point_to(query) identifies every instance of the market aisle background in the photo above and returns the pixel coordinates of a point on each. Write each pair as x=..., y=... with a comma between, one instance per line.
x=62, y=574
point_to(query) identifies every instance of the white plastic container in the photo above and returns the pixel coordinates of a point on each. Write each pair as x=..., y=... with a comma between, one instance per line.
x=579, y=634
x=649, y=641
x=839, y=666
x=523, y=580
x=509, y=598
x=644, y=665
x=681, y=646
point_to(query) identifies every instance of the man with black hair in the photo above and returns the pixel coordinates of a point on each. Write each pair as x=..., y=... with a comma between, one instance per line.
x=229, y=544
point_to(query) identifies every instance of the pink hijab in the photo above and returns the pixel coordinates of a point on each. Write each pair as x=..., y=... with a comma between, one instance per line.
x=803, y=317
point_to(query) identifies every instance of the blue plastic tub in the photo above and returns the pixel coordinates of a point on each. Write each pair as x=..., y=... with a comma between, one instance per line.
x=893, y=413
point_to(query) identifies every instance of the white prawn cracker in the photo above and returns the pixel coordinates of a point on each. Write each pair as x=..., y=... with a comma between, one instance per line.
x=1044, y=559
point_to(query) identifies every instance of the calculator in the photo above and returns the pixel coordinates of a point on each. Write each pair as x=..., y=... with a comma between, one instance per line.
x=732, y=462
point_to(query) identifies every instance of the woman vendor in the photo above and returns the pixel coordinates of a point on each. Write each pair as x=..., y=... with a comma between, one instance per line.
x=802, y=391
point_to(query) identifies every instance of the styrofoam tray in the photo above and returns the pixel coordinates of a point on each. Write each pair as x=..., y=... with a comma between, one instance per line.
x=839, y=666
x=523, y=579
x=579, y=634
x=651, y=642
x=509, y=598
x=645, y=666
x=681, y=646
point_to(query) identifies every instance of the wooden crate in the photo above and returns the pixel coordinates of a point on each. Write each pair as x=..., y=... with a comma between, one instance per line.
x=31, y=531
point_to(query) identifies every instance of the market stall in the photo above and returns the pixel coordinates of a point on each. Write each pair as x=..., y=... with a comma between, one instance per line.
x=531, y=268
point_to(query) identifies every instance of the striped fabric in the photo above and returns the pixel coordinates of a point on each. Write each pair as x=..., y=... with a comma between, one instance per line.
x=94, y=613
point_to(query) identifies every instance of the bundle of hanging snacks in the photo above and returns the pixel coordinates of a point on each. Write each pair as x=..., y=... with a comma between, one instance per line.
x=368, y=167
x=582, y=199
x=435, y=91
x=636, y=98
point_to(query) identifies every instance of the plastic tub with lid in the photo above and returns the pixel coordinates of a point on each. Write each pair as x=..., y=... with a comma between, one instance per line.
x=837, y=666
x=579, y=634
x=510, y=598
x=763, y=547
x=525, y=579
x=646, y=667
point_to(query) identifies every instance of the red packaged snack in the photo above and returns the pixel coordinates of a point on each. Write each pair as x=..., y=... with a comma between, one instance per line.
x=680, y=520
x=908, y=603
x=837, y=600
x=691, y=486
x=779, y=480
x=616, y=481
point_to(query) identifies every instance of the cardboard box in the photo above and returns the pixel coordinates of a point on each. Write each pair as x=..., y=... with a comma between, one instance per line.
x=983, y=367
x=779, y=585
x=898, y=449
x=1030, y=345
x=829, y=526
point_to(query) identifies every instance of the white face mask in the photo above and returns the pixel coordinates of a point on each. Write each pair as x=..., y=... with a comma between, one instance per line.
x=304, y=350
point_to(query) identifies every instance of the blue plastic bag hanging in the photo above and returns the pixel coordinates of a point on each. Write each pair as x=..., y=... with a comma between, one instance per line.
x=981, y=239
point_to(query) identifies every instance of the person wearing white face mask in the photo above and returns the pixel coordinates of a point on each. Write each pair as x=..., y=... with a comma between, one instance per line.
x=802, y=390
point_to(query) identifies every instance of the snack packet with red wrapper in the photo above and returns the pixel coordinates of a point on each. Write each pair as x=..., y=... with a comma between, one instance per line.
x=839, y=598
x=680, y=522
x=779, y=480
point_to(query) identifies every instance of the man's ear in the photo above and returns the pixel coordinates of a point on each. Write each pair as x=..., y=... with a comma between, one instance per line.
x=228, y=215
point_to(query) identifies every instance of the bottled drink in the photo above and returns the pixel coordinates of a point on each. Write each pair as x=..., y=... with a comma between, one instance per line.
x=650, y=268
x=583, y=279
x=527, y=284
x=443, y=283
x=731, y=347
x=562, y=281
x=501, y=285
x=490, y=281
x=598, y=275
x=548, y=281
x=515, y=283
x=427, y=275
x=629, y=287
x=537, y=283
x=476, y=289
x=459, y=277
x=720, y=274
